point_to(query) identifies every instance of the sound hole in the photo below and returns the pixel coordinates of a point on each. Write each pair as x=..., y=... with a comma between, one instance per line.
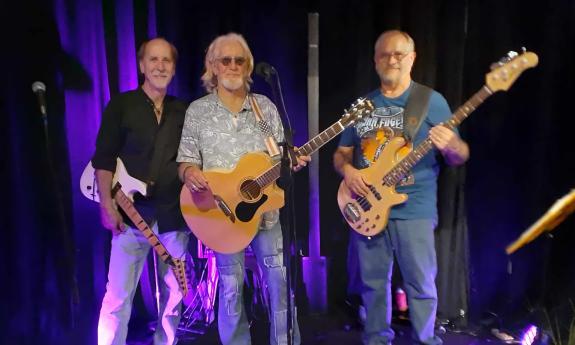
x=250, y=190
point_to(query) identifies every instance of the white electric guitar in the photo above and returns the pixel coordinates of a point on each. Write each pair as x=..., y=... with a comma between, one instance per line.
x=124, y=187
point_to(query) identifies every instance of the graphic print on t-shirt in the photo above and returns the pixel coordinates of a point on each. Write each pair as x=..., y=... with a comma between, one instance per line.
x=375, y=132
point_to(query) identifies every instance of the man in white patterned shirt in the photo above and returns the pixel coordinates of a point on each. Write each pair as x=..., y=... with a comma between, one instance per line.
x=220, y=128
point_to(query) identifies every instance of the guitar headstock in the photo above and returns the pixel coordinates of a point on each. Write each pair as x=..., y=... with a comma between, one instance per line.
x=358, y=110
x=504, y=72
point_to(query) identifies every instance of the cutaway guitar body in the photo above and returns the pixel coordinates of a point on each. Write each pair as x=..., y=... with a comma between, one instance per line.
x=227, y=216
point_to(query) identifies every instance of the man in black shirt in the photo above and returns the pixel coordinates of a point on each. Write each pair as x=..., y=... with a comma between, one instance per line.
x=142, y=127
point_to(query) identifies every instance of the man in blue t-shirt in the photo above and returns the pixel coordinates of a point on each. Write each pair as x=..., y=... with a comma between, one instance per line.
x=409, y=233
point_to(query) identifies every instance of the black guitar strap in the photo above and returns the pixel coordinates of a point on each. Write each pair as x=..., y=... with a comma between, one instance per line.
x=415, y=110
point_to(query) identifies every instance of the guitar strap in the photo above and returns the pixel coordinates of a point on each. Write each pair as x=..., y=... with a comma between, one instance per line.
x=269, y=140
x=415, y=110
x=270, y=218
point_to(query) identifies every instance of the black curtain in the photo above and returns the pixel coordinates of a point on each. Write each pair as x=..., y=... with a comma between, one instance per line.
x=38, y=287
x=521, y=152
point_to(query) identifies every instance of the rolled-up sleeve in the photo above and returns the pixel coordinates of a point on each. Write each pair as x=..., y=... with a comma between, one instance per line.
x=189, y=150
x=109, y=139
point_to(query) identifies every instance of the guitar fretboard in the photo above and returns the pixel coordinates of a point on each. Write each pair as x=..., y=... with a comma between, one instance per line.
x=307, y=149
x=404, y=166
x=126, y=205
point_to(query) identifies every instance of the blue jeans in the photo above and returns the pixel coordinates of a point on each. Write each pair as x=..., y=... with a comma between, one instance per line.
x=232, y=320
x=412, y=242
x=129, y=252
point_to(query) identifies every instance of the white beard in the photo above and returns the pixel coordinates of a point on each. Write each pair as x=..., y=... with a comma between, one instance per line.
x=232, y=84
x=390, y=78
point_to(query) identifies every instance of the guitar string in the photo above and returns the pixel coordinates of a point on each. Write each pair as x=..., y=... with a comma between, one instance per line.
x=254, y=186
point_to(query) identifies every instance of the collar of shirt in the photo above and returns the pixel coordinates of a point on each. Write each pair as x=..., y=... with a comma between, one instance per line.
x=165, y=104
x=246, y=106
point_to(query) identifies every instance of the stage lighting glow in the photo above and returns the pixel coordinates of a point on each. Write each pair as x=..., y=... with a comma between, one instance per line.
x=529, y=335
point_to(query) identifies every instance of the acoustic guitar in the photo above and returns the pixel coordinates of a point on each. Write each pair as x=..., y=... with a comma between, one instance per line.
x=226, y=217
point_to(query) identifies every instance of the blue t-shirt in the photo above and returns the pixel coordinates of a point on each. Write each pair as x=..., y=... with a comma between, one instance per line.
x=370, y=135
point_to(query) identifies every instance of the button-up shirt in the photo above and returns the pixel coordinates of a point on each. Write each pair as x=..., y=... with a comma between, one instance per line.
x=212, y=138
x=130, y=131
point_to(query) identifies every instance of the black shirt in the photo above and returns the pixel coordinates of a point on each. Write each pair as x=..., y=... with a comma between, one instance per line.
x=130, y=131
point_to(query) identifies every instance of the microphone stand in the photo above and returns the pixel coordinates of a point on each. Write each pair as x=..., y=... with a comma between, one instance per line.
x=67, y=253
x=287, y=216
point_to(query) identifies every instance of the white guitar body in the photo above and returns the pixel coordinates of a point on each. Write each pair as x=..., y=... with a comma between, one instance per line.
x=130, y=185
x=124, y=187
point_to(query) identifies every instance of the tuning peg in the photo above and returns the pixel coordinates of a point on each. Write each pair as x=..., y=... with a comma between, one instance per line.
x=511, y=55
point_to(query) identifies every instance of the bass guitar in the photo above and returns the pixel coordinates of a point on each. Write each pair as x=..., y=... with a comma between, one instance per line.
x=368, y=215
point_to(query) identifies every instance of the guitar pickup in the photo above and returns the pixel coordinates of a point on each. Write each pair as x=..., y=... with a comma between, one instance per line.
x=351, y=213
x=364, y=203
x=375, y=192
x=225, y=208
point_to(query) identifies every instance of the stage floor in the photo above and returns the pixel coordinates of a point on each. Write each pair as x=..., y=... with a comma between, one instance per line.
x=316, y=330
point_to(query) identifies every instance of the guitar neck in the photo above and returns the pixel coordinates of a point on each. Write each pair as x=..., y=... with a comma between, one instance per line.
x=307, y=149
x=404, y=166
x=126, y=204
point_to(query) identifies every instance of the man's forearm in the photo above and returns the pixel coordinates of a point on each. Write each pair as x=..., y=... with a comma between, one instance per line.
x=182, y=167
x=340, y=162
x=104, y=179
x=457, y=155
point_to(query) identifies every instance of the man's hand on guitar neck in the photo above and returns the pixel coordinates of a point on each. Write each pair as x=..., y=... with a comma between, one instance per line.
x=452, y=147
x=301, y=162
x=193, y=177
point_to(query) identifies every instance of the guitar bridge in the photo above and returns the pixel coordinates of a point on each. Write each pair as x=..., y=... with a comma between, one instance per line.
x=225, y=208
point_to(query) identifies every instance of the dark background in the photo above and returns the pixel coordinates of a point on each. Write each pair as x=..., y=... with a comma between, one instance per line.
x=520, y=140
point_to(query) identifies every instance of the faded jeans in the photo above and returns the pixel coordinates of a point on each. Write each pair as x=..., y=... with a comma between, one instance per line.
x=413, y=243
x=129, y=252
x=232, y=320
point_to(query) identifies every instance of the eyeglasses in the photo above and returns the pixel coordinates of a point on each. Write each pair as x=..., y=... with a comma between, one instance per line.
x=397, y=55
x=227, y=60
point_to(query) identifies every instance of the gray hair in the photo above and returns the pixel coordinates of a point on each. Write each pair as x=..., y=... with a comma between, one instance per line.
x=209, y=79
x=142, y=49
x=390, y=33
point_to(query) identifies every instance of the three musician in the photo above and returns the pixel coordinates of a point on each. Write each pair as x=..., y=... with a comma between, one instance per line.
x=146, y=129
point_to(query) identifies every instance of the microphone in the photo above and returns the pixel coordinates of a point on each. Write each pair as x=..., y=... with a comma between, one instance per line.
x=40, y=90
x=265, y=70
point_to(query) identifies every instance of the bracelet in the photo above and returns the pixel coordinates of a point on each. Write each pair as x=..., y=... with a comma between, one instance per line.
x=184, y=173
